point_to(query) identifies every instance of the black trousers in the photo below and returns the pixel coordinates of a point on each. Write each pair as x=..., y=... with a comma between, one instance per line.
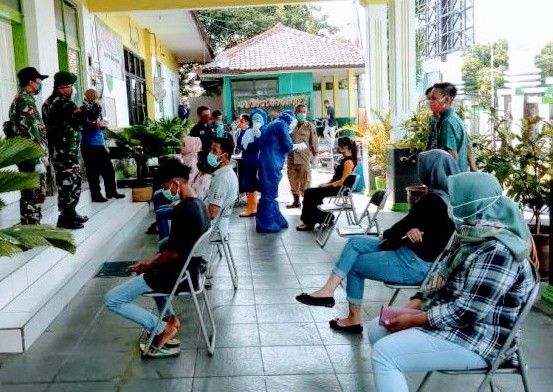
x=97, y=163
x=310, y=214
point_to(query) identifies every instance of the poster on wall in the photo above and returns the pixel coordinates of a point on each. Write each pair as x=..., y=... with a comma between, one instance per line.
x=110, y=50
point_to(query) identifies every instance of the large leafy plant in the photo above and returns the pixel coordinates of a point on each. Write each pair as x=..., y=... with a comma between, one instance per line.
x=20, y=238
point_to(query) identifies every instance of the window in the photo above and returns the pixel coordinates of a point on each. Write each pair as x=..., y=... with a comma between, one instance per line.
x=136, y=87
x=243, y=88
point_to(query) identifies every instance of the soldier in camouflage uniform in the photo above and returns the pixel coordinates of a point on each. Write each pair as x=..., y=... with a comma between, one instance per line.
x=25, y=121
x=63, y=128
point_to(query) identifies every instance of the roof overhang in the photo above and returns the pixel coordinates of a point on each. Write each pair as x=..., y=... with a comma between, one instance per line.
x=318, y=73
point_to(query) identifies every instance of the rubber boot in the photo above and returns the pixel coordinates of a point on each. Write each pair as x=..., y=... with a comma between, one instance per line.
x=251, y=206
x=296, y=203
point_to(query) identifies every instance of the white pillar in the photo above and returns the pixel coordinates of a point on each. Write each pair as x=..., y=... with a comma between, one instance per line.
x=403, y=100
x=376, y=64
x=40, y=34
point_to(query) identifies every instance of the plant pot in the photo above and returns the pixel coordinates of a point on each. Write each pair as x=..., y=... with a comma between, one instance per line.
x=414, y=193
x=380, y=182
x=142, y=194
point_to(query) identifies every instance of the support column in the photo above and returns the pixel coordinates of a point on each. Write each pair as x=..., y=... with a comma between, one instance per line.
x=40, y=36
x=376, y=54
x=323, y=97
x=403, y=80
x=336, y=93
x=351, y=94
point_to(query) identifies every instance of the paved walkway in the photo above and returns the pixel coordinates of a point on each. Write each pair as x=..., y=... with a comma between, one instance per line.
x=266, y=340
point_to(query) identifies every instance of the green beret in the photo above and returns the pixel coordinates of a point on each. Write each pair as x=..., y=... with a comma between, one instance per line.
x=64, y=78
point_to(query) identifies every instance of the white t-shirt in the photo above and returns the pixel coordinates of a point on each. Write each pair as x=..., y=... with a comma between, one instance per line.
x=223, y=191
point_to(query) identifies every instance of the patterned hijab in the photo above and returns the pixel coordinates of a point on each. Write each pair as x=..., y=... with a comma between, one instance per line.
x=434, y=167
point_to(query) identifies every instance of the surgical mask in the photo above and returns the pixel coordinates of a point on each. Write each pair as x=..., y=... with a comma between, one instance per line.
x=212, y=160
x=301, y=116
x=39, y=89
x=436, y=105
x=256, y=126
x=169, y=196
x=460, y=219
x=219, y=129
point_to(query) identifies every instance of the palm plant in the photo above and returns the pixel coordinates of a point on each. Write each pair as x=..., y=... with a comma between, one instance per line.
x=20, y=238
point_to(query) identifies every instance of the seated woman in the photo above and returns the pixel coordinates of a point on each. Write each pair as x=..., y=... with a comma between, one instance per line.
x=485, y=281
x=415, y=241
x=200, y=176
x=310, y=213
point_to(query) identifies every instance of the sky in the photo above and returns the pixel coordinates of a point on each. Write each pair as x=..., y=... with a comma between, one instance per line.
x=340, y=14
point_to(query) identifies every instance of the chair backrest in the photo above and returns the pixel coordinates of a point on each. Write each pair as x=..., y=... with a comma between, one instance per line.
x=199, y=242
x=348, y=185
x=508, y=347
x=225, y=213
x=379, y=198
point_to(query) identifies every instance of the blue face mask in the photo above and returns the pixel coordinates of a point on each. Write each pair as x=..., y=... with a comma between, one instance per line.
x=212, y=160
x=169, y=196
x=301, y=116
x=39, y=89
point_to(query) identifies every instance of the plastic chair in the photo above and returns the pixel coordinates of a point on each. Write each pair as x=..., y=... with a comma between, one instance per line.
x=341, y=203
x=510, y=347
x=221, y=240
x=398, y=286
x=184, y=287
x=378, y=200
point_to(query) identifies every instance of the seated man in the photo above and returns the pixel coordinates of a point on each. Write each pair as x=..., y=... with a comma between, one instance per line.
x=223, y=189
x=475, y=297
x=160, y=273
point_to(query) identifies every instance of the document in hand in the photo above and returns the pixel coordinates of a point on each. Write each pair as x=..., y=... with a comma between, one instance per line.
x=389, y=312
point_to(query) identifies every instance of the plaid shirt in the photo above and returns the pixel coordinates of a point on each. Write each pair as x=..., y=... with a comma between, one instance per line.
x=482, y=299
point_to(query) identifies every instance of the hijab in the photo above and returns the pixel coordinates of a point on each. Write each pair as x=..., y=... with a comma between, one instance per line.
x=434, y=167
x=191, y=146
x=482, y=213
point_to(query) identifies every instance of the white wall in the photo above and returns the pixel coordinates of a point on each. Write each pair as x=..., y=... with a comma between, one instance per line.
x=342, y=108
x=171, y=89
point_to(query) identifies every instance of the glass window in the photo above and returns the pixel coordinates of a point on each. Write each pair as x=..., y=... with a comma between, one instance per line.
x=136, y=88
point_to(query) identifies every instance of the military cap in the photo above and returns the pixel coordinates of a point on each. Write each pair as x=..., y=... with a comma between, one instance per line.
x=64, y=78
x=25, y=75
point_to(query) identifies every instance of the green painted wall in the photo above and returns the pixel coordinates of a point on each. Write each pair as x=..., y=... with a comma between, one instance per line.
x=290, y=83
x=9, y=11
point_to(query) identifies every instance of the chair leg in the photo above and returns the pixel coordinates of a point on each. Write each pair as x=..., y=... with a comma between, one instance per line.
x=424, y=381
x=209, y=342
x=487, y=381
x=159, y=320
x=523, y=370
x=326, y=229
x=394, y=296
x=231, y=265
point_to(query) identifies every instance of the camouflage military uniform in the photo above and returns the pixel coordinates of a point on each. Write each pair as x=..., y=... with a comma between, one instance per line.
x=28, y=124
x=64, y=134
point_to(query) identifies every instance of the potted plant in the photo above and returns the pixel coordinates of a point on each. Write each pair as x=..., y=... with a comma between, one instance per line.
x=521, y=160
x=20, y=238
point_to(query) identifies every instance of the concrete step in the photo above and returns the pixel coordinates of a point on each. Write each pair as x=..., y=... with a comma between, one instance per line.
x=36, y=285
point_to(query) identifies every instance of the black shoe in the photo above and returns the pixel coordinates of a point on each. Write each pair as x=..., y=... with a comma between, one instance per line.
x=99, y=199
x=80, y=218
x=152, y=229
x=305, y=228
x=294, y=205
x=116, y=196
x=64, y=223
x=316, y=301
x=353, y=329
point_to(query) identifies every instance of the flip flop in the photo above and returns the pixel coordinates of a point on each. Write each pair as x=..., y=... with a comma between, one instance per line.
x=175, y=342
x=157, y=352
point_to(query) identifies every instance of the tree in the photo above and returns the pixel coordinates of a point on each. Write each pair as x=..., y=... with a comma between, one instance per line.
x=229, y=27
x=544, y=61
x=20, y=238
x=476, y=68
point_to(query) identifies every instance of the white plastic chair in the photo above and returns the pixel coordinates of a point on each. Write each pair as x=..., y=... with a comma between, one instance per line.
x=184, y=287
x=341, y=203
x=377, y=200
x=499, y=365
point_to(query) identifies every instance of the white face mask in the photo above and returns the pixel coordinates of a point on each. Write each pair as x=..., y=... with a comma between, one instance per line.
x=460, y=219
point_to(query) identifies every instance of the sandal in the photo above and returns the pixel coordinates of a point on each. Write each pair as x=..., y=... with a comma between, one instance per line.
x=160, y=352
x=175, y=342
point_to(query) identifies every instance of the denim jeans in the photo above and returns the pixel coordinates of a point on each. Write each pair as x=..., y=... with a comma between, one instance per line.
x=361, y=259
x=119, y=300
x=413, y=350
x=164, y=213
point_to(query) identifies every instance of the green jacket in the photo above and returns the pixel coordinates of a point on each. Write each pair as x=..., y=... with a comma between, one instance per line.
x=63, y=125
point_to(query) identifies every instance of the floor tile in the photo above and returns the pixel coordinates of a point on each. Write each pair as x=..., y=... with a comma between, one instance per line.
x=240, y=361
x=84, y=387
x=234, y=314
x=173, y=385
x=289, y=334
x=307, y=382
x=226, y=384
x=177, y=367
x=235, y=335
x=289, y=281
x=296, y=360
x=350, y=358
x=83, y=367
x=356, y=382
x=283, y=313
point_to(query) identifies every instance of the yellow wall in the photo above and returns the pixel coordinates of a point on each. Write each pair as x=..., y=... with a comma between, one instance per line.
x=144, y=45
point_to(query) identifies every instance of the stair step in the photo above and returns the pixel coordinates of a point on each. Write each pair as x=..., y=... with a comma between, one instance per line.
x=36, y=285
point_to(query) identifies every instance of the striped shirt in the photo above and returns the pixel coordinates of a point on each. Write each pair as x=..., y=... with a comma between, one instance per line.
x=482, y=299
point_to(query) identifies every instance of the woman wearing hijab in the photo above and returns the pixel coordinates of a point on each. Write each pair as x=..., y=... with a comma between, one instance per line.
x=468, y=315
x=413, y=244
x=200, y=177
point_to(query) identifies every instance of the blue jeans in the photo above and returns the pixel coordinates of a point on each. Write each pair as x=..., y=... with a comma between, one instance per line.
x=119, y=300
x=361, y=259
x=413, y=350
x=164, y=213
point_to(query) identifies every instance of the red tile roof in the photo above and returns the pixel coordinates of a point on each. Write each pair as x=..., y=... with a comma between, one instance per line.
x=284, y=48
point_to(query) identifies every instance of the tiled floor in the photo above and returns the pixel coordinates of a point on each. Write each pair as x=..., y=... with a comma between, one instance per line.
x=266, y=341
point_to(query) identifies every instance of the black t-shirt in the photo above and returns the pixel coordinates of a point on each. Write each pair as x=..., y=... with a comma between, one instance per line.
x=331, y=116
x=205, y=133
x=429, y=214
x=189, y=221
